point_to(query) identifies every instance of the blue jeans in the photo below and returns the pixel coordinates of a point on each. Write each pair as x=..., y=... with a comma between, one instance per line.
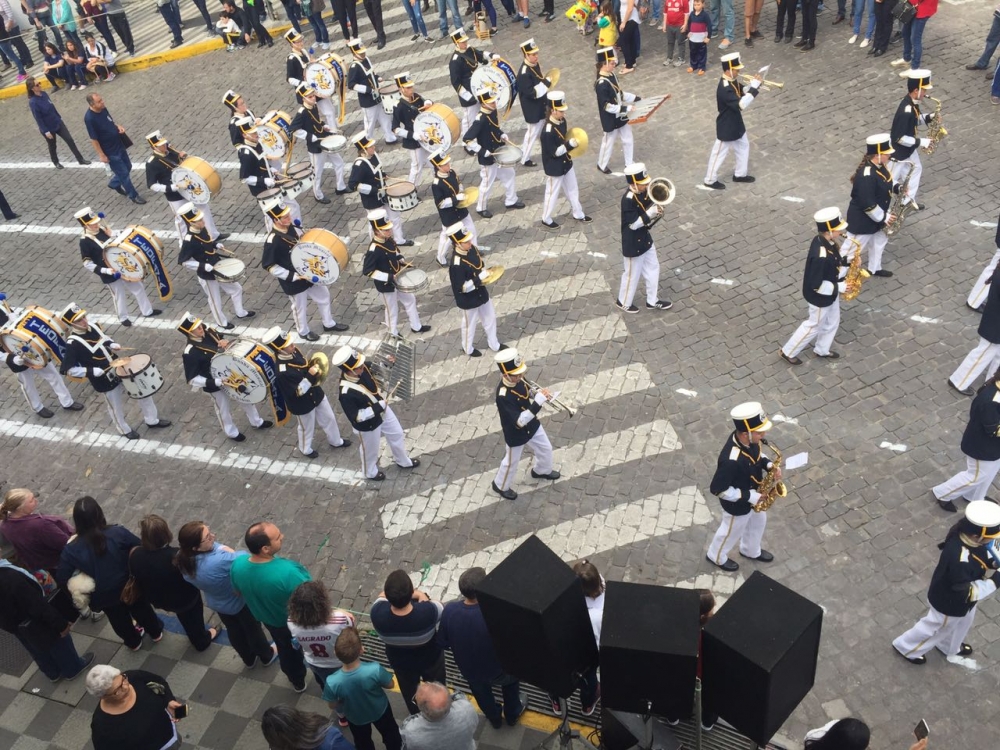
x=9, y=51
x=167, y=11
x=59, y=660
x=121, y=165
x=726, y=7
x=511, y=690
x=860, y=6
x=992, y=40
x=321, y=673
x=443, y=6
x=319, y=28
x=913, y=34
x=995, y=90
x=416, y=17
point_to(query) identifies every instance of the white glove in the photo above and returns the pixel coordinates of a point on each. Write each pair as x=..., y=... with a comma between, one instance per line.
x=400, y=131
x=218, y=382
x=18, y=360
x=115, y=347
x=842, y=286
x=572, y=143
x=487, y=153
x=158, y=187
x=97, y=371
x=755, y=84
x=925, y=142
x=269, y=182
x=460, y=197
x=384, y=404
x=483, y=274
x=209, y=266
x=107, y=272
x=540, y=398
x=754, y=497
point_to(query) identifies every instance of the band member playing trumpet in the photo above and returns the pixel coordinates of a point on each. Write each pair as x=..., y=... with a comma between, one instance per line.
x=905, y=142
x=730, y=132
x=295, y=74
x=159, y=168
x=203, y=344
x=368, y=410
x=298, y=380
x=484, y=137
x=532, y=87
x=89, y=354
x=822, y=283
x=871, y=194
x=613, y=106
x=741, y=469
x=255, y=170
x=467, y=273
x=558, y=164
x=308, y=118
x=518, y=409
x=447, y=192
x=463, y=62
x=200, y=253
x=381, y=264
x=95, y=235
x=639, y=213
x=404, y=113
x=368, y=179
x=362, y=79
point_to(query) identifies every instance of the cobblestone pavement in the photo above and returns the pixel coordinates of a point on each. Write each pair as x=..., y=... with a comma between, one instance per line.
x=858, y=531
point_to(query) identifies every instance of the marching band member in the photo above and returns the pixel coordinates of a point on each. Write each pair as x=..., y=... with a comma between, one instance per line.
x=447, y=192
x=381, y=264
x=518, y=411
x=730, y=132
x=613, y=105
x=203, y=344
x=95, y=234
x=558, y=164
x=255, y=169
x=741, y=469
x=463, y=62
x=159, y=168
x=295, y=74
x=822, y=283
x=965, y=574
x=404, y=113
x=977, y=297
x=362, y=79
x=308, y=118
x=905, y=142
x=986, y=355
x=467, y=273
x=871, y=194
x=238, y=109
x=483, y=138
x=26, y=375
x=639, y=213
x=297, y=381
x=368, y=410
x=89, y=353
x=368, y=179
x=532, y=87
x=277, y=261
x=200, y=253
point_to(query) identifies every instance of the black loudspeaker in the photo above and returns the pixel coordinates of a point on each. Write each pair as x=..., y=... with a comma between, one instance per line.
x=759, y=656
x=649, y=648
x=614, y=734
x=536, y=615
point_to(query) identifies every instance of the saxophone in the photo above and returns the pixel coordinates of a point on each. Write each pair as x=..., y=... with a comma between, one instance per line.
x=855, y=273
x=935, y=130
x=771, y=488
x=897, y=209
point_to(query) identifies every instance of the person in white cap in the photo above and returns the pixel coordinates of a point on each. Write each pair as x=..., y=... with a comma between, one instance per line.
x=730, y=131
x=613, y=106
x=381, y=263
x=639, y=214
x=965, y=574
x=369, y=181
x=448, y=192
x=464, y=60
x=977, y=297
x=256, y=172
x=560, y=176
x=404, y=116
x=365, y=82
x=467, y=273
x=985, y=356
x=368, y=410
x=741, y=468
x=532, y=86
x=295, y=73
x=484, y=138
x=310, y=120
x=822, y=284
x=871, y=195
x=518, y=409
x=905, y=142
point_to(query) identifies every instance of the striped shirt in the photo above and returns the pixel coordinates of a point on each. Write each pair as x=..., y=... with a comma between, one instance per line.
x=409, y=639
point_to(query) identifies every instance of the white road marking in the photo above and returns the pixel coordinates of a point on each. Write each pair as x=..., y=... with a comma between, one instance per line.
x=168, y=234
x=922, y=319
x=963, y=661
x=686, y=392
x=983, y=224
x=548, y=254
x=897, y=447
x=792, y=199
x=597, y=255
x=724, y=282
x=783, y=418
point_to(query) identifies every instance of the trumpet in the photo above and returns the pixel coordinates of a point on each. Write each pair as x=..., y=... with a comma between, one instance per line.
x=534, y=388
x=766, y=85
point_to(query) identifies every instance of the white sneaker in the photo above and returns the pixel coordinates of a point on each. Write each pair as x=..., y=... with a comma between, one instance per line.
x=865, y=42
x=897, y=62
x=724, y=44
x=853, y=39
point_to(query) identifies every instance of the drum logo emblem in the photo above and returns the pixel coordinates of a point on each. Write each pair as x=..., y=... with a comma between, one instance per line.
x=236, y=381
x=190, y=186
x=128, y=266
x=433, y=134
x=268, y=138
x=317, y=266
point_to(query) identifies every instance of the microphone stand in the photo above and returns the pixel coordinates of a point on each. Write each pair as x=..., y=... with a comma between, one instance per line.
x=569, y=738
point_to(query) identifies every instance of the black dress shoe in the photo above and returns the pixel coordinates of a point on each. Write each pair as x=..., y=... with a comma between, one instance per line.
x=314, y=454
x=265, y=425
x=132, y=435
x=585, y=219
x=311, y=336
x=228, y=326
x=415, y=463
x=550, y=224
x=715, y=185
x=324, y=200
x=964, y=391
x=915, y=660
x=120, y=190
x=475, y=353
x=504, y=346
x=156, y=311
x=59, y=166
x=378, y=477
x=139, y=200
x=800, y=43
x=965, y=650
x=730, y=566
x=837, y=20
x=831, y=355
x=407, y=243
x=778, y=38
x=552, y=475
x=44, y=413
x=160, y=424
x=240, y=437
x=345, y=191
x=423, y=329
x=790, y=360
x=345, y=444
x=789, y=39
x=744, y=178
x=339, y=327
x=947, y=505
x=529, y=163
x=75, y=406
x=877, y=53
x=605, y=170
x=764, y=556
x=381, y=44
x=505, y=494
x=250, y=314
x=487, y=214
x=519, y=204
x=975, y=67
x=882, y=273
x=127, y=323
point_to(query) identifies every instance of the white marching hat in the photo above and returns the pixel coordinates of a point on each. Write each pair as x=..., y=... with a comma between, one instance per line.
x=750, y=417
x=829, y=220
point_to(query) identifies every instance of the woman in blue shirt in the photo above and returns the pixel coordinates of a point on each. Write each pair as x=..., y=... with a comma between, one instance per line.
x=54, y=66
x=50, y=124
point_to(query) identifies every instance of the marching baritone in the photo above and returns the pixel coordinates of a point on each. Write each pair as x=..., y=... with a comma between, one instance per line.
x=965, y=574
x=203, y=344
x=368, y=179
x=484, y=137
x=518, y=410
x=95, y=236
x=532, y=87
x=159, y=168
x=871, y=195
x=298, y=382
x=200, y=253
x=381, y=264
x=905, y=142
x=639, y=213
x=365, y=82
x=448, y=193
x=741, y=469
x=295, y=73
x=985, y=357
x=467, y=273
x=613, y=106
x=368, y=410
x=557, y=163
x=89, y=354
x=277, y=261
x=977, y=297
x=255, y=170
x=463, y=62
x=404, y=114
x=822, y=284
x=730, y=131
x=309, y=120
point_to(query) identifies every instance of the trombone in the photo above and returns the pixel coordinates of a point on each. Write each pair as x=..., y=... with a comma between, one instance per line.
x=764, y=84
x=534, y=388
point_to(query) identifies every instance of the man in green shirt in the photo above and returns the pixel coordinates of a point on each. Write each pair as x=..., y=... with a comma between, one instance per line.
x=266, y=582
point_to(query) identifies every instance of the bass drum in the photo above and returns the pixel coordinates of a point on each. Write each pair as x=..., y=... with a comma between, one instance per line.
x=326, y=75
x=322, y=254
x=437, y=128
x=275, y=133
x=499, y=78
x=24, y=334
x=140, y=377
x=196, y=180
x=123, y=257
x=242, y=380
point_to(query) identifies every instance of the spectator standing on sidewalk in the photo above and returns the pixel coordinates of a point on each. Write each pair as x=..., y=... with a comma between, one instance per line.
x=39, y=13
x=315, y=624
x=62, y=17
x=445, y=721
x=116, y=14
x=106, y=136
x=8, y=49
x=726, y=8
x=92, y=10
x=628, y=38
x=206, y=17
x=50, y=123
x=883, y=26
x=785, y=24
x=172, y=19
x=674, y=16
x=992, y=40
x=913, y=34
x=751, y=18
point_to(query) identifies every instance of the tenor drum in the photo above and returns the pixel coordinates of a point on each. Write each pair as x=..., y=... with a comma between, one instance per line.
x=299, y=179
x=242, y=380
x=125, y=258
x=333, y=143
x=325, y=74
x=411, y=280
x=437, y=128
x=275, y=133
x=140, y=377
x=508, y=156
x=34, y=335
x=390, y=98
x=322, y=254
x=196, y=180
x=402, y=196
x=230, y=270
x=501, y=79
x=270, y=198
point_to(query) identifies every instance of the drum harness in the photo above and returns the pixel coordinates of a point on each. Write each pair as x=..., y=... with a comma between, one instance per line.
x=101, y=346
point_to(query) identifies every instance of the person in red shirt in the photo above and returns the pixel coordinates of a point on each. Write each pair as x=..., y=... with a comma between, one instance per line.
x=913, y=34
x=675, y=11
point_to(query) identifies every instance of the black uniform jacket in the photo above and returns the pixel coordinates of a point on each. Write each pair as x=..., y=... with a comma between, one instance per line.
x=532, y=88
x=235, y=134
x=291, y=373
x=989, y=323
x=158, y=171
x=460, y=70
x=742, y=467
x=464, y=270
x=358, y=395
x=198, y=360
x=295, y=67
x=511, y=402
x=89, y=350
x=609, y=92
x=486, y=131
x=904, y=123
x=91, y=251
x=403, y=115
x=872, y=187
x=957, y=583
x=253, y=163
x=362, y=79
x=202, y=248
x=444, y=190
x=368, y=172
x=311, y=121
x=383, y=256
x=636, y=207
x=822, y=265
x=278, y=252
x=554, y=140
x=729, y=122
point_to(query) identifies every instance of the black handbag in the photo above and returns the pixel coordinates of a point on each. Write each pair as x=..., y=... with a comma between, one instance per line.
x=904, y=12
x=126, y=141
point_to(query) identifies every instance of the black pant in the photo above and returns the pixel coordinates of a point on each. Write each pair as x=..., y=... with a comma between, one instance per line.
x=120, y=22
x=17, y=42
x=628, y=40
x=63, y=133
x=253, y=19
x=121, y=615
x=374, y=10
x=786, y=18
x=289, y=657
x=386, y=726
x=247, y=636
x=203, y=9
x=192, y=619
x=101, y=23
x=883, y=25
x=549, y=7
x=409, y=679
x=346, y=11
x=5, y=208
x=809, y=21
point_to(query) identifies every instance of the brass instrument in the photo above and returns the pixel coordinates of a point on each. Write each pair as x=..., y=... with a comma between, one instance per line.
x=935, y=130
x=322, y=363
x=471, y=196
x=662, y=191
x=898, y=210
x=493, y=274
x=747, y=79
x=771, y=488
x=582, y=141
x=553, y=77
x=855, y=273
x=534, y=388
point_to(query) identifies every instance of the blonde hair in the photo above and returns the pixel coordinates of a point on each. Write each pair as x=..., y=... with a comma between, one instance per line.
x=13, y=500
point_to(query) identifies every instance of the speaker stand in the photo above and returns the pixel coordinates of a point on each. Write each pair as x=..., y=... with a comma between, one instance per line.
x=568, y=738
x=647, y=728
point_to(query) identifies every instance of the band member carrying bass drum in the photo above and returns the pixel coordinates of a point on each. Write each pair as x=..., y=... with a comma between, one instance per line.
x=463, y=62
x=404, y=113
x=452, y=203
x=485, y=137
x=295, y=73
x=363, y=80
x=557, y=161
x=256, y=172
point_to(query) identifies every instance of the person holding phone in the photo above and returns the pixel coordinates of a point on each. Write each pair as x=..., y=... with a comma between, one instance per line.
x=850, y=734
x=137, y=710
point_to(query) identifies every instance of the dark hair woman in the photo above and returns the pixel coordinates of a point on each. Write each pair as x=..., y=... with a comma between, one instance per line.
x=76, y=66
x=287, y=728
x=54, y=66
x=50, y=123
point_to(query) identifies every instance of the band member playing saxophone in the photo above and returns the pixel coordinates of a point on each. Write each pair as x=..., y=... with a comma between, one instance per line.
x=871, y=195
x=905, y=142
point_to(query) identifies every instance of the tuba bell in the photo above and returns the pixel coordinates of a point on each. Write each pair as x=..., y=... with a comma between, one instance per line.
x=322, y=362
x=662, y=191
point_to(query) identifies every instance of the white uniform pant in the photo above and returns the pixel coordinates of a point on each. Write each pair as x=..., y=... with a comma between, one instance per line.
x=914, y=168
x=376, y=117
x=821, y=325
x=322, y=414
x=530, y=136
x=469, y=115
x=874, y=244
x=646, y=267
x=542, y=449
x=397, y=225
x=392, y=302
x=490, y=174
x=319, y=162
x=444, y=241
x=623, y=134
x=471, y=319
x=293, y=206
x=981, y=289
x=225, y=414
x=320, y=295
x=51, y=376
x=328, y=111
x=935, y=629
x=984, y=358
x=137, y=290
x=116, y=408
x=741, y=149
x=369, y=441
x=554, y=186
x=747, y=529
x=971, y=484
x=213, y=290
x=419, y=161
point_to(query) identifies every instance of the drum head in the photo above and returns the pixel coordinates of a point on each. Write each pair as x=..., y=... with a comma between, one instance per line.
x=324, y=75
x=274, y=139
x=191, y=185
x=230, y=267
x=411, y=280
x=401, y=188
x=508, y=155
x=300, y=170
x=270, y=198
x=125, y=260
x=24, y=345
x=332, y=143
x=241, y=379
x=134, y=365
x=320, y=254
x=498, y=78
x=434, y=129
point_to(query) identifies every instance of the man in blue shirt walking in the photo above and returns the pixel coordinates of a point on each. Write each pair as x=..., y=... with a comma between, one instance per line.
x=107, y=139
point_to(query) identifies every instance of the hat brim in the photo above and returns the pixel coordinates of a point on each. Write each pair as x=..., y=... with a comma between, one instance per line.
x=763, y=426
x=840, y=227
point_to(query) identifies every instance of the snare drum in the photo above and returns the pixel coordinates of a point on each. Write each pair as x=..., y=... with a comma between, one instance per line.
x=140, y=377
x=499, y=78
x=322, y=254
x=196, y=180
x=275, y=133
x=299, y=179
x=390, y=98
x=437, y=128
x=333, y=143
x=242, y=380
x=402, y=196
x=412, y=280
x=124, y=258
x=270, y=198
x=325, y=74
x=230, y=270
x=508, y=156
